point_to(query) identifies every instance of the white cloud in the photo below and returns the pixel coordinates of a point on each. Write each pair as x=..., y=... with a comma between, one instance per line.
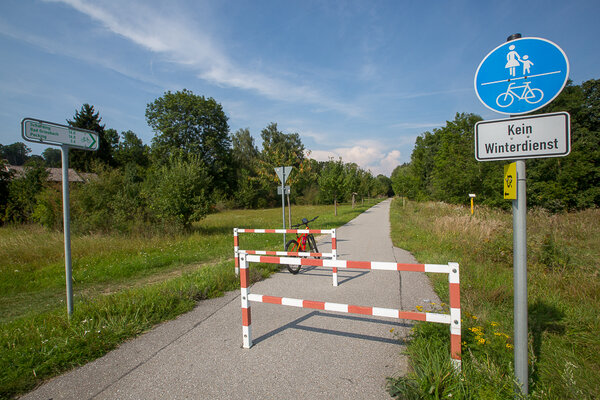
x=179, y=40
x=368, y=154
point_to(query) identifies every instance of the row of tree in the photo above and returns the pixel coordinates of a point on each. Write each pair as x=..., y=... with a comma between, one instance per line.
x=193, y=166
x=443, y=166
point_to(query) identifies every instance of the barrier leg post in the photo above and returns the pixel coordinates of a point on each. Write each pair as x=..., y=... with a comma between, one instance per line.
x=334, y=257
x=236, y=248
x=455, y=324
x=246, y=313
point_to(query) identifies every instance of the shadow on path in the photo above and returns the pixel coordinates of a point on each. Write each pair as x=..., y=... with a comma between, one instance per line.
x=296, y=325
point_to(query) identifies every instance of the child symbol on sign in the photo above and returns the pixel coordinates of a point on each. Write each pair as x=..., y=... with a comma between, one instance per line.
x=526, y=64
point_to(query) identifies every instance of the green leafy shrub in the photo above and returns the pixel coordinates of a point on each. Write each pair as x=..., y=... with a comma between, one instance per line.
x=180, y=191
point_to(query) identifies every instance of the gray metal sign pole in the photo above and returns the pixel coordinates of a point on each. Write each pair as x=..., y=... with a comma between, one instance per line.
x=283, y=202
x=67, y=225
x=520, y=278
x=519, y=207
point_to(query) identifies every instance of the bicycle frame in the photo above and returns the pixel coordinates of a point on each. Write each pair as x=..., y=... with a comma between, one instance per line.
x=302, y=239
x=526, y=90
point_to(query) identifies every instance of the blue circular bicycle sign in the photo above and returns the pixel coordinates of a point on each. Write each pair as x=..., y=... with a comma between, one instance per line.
x=521, y=76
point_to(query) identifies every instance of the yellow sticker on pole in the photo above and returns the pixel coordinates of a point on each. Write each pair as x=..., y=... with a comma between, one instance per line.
x=510, y=181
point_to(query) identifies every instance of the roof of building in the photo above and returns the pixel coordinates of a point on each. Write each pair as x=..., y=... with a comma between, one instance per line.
x=54, y=174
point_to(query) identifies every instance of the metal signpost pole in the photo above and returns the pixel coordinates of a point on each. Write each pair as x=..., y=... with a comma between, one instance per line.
x=67, y=225
x=519, y=207
x=283, y=203
x=520, y=278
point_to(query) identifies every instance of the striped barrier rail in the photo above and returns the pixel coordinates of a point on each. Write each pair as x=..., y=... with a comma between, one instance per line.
x=333, y=254
x=452, y=319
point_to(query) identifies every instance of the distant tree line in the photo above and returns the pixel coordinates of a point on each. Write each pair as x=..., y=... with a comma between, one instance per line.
x=193, y=166
x=443, y=166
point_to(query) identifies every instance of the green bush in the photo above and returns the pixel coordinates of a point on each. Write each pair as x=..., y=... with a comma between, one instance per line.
x=48, y=210
x=180, y=191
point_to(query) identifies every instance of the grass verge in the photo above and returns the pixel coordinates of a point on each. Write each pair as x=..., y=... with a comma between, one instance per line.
x=563, y=294
x=123, y=286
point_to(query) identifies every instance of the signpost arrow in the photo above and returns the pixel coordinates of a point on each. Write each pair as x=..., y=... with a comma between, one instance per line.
x=38, y=131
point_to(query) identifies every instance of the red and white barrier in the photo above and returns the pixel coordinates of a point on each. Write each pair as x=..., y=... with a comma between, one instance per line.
x=452, y=319
x=333, y=254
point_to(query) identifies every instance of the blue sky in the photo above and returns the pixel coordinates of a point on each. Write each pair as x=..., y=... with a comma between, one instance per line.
x=356, y=79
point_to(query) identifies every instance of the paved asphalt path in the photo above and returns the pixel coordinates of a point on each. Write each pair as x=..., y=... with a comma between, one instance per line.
x=297, y=353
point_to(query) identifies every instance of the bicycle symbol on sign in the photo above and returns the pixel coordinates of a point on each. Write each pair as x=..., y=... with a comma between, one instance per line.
x=528, y=94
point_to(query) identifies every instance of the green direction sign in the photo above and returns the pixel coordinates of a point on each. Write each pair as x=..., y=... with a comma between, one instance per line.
x=38, y=131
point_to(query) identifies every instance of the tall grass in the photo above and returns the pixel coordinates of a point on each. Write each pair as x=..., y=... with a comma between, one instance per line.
x=123, y=286
x=563, y=293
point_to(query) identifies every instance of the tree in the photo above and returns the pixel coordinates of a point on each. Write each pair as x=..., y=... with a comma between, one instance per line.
x=245, y=161
x=52, y=157
x=131, y=150
x=456, y=172
x=351, y=180
x=16, y=153
x=331, y=181
x=382, y=186
x=571, y=182
x=278, y=150
x=365, y=183
x=422, y=162
x=188, y=125
x=404, y=182
x=88, y=118
x=281, y=149
x=22, y=193
x=5, y=178
x=178, y=191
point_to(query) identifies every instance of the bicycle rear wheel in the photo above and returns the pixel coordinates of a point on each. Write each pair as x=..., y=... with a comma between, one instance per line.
x=504, y=99
x=292, y=246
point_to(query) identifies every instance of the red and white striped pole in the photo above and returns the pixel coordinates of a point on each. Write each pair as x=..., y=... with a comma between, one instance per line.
x=246, y=312
x=236, y=249
x=334, y=256
x=455, y=325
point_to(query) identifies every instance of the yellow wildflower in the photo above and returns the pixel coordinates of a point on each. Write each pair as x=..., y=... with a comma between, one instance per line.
x=509, y=346
x=420, y=308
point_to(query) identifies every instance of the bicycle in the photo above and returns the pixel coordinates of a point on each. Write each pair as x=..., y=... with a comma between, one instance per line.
x=301, y=243
x=530, y=95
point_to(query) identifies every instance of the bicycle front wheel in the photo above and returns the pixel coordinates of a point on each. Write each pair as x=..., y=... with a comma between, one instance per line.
x=535, y=96
x=292, y=246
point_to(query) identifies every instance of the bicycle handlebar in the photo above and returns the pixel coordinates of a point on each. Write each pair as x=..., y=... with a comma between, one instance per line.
x=304, y=222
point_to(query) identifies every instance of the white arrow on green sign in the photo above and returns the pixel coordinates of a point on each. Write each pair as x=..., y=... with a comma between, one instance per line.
x=38, y=131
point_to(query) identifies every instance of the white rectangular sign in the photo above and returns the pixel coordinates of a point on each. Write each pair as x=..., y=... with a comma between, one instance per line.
x=35, y=130
x=534, y=136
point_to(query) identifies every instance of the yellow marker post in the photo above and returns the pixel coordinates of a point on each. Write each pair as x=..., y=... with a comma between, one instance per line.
x=510, y=181
x=472, y=196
